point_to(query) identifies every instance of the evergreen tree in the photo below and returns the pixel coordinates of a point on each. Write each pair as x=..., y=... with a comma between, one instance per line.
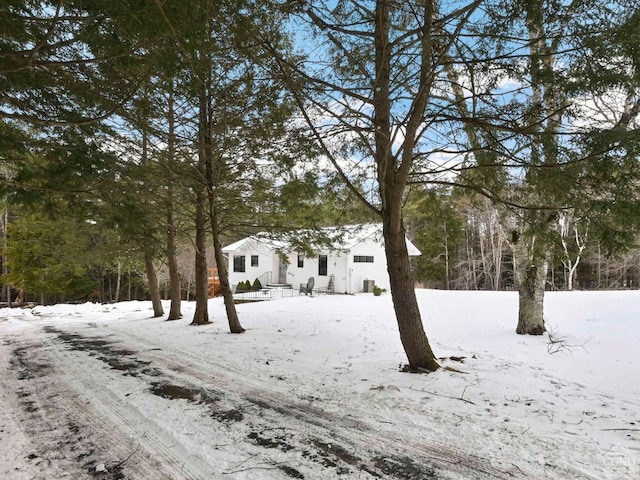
x=49, y=257
x=436, y=229
x=69, y=63
x=368, y=91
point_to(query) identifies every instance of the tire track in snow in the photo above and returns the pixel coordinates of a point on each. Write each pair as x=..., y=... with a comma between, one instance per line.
x=127, y=421
x=339, y=441
x=75, y=353
x=68, y=439
x=16, y=446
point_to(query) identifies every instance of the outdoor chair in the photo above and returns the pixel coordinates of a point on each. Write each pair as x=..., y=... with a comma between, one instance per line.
x=329, y=288
x=307, y=288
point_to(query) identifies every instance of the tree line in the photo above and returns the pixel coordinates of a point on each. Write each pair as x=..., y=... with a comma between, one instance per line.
x=465, y=247
x=131, y=128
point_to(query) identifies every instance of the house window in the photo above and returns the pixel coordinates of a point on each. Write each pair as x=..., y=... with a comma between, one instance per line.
x=254, y=260
x=322, y=265
x=362, y=259
x=300, y=261
x=238, y=263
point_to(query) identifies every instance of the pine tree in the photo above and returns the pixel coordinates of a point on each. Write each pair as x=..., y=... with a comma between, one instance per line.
x=49, y=257
x=368, y=92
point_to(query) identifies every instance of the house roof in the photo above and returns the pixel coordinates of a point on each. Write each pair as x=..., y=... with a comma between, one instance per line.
x=340, y=238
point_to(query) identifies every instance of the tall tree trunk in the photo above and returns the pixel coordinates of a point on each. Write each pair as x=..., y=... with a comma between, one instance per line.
x=152, y=279
x=446, y=258
x=172, y=260
x=392, y=176
x=549, y=106
x=532, y=276
x=223, y=273
x=471, y=277
x=405, y=304
x=210, y=168
x=118, y=280
x=147, y=249
x=497, y=244
x=201, y=315
x=599, y=267
x=5, y=224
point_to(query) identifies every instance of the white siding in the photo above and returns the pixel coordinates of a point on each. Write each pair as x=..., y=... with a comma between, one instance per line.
x=376, y=271
x=336, y=266
x=349, y=276
x=265, y=262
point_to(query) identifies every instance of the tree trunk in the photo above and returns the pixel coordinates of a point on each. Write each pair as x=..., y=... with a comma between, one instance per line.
x=446, y=258
x=497, y=245
x=210, y=166
x=172, y=260
x=223, y=274
x=152, y=278
x=392, y=178
x=118, y=280
x=399, y=98
x=599, y=267
x=532, y=275
x=412, y=334
x=5, y=224
x=201, y=315
x=147, y=251
x=223, y=271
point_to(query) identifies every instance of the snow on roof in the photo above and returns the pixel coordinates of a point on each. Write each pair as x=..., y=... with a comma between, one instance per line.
x=340, y=238
x=236, y=245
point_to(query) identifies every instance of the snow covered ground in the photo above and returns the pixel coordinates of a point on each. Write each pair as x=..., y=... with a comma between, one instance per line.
x=564, y=406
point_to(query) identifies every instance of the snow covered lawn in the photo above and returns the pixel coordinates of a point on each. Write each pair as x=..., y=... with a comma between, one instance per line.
x=564, y=406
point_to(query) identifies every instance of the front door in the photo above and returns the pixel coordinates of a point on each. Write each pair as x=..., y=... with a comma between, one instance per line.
x=282, y=270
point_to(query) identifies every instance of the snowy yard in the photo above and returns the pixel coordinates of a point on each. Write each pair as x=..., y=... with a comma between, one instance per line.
x=313, y=390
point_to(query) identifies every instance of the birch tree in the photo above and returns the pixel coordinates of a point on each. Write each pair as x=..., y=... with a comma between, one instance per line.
x=573, y=238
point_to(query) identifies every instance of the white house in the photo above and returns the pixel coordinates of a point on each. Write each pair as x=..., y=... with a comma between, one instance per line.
x=353, y=263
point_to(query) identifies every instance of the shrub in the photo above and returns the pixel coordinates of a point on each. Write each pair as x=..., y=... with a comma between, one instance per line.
x=377, y=291
x=256, y=285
